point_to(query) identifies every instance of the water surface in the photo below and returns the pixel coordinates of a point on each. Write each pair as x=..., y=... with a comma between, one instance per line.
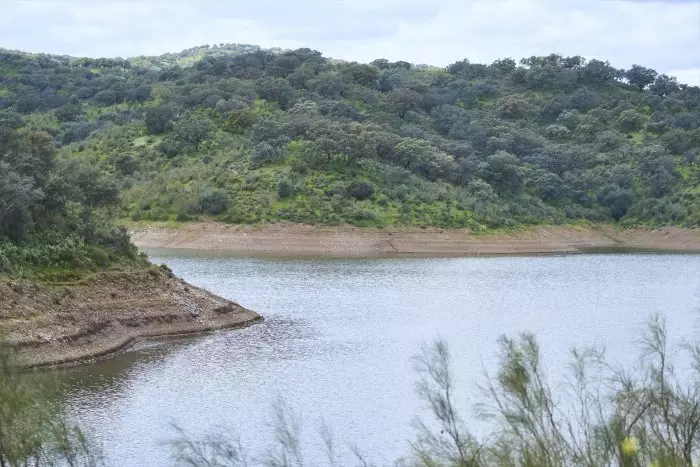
x=339, y=336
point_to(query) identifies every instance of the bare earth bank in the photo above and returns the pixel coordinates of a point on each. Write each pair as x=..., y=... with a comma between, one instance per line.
x=301, y=240
x=59, y=324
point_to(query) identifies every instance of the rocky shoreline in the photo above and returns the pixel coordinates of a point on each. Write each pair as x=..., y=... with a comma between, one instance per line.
x=61, y=324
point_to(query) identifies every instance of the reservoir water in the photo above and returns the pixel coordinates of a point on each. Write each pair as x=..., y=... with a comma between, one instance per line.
x=339, y=336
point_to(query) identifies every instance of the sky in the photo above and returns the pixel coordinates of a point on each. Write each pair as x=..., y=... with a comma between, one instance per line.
x=663, y=35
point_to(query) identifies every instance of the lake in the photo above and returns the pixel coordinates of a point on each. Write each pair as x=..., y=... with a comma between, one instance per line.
x=339, y=337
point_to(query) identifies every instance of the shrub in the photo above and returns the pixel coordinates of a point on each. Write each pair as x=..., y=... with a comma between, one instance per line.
x=285, y=188
x=214, y=201
x=360, y=190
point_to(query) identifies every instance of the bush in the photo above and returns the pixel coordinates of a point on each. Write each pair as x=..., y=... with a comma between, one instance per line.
x=214, y=201
x=33, y=425
x=360, y=190
x=171, y=148
x=285, y=188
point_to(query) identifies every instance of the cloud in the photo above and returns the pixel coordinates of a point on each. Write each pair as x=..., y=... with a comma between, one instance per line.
x=652, y=33
x=689, y=76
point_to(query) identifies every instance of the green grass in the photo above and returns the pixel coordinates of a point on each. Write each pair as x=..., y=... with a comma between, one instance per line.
x=637, y=138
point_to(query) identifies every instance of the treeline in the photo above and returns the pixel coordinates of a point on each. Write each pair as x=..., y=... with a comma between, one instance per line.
x=249, y=135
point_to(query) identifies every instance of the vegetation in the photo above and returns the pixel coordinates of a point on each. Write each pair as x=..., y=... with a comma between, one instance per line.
x=246, y=135
x=34, y=429
x=600, y=415
x=55, y=216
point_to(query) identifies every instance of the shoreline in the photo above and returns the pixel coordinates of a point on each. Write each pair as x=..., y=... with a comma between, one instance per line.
x=128, y=341
x=58, y=325
x=295, y=240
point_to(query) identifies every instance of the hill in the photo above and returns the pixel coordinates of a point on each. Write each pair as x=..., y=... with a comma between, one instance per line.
x=247, y=136
x=72, y=285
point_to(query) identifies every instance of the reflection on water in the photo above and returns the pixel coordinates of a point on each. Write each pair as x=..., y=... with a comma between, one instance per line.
x=339, y=335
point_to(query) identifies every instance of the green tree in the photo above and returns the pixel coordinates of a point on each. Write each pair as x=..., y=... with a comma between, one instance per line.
x=360, y=190
x=214, y=201
x=17, y=198
x=193, y=131
x=631, y=120
x=11, y=120
x=502, y=171
x=159, y=119
x=285, y=188
x=401, y=100
x=68, y=112
x=640, y=76
x=616, y=199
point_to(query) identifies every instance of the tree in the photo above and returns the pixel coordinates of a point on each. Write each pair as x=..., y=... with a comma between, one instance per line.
x=158, y=119
x=447, y=116
x=285, y=188
x=240, y=120
x=17, y=198
x=616, y=199
x=193, y=131
x=213, y=201
x=364, y=75
x=631, y=120
x=138, y=94
x=513, y=107
x=11, y=120
x=261, y=153
x=328, y=85
x=360, y=190
x=640, y=76
x=546, y=185
x=283, y=65
x=107, y=97
x=502, y=171
x=68, y=112
x=276, y=90
x=504, y=66
x=401, y=100
x=658, y=169
x=454, y=446
x=664, y=85
x=598, y=72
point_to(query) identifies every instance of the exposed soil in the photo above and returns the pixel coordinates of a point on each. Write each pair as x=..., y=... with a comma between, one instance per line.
x=64, y=323
x=301, y=240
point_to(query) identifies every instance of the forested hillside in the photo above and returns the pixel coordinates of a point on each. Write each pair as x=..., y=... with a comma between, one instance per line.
x=248, y=136
x=56, y=216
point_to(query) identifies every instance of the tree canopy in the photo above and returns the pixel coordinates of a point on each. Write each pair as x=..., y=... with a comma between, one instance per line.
x=248, y=135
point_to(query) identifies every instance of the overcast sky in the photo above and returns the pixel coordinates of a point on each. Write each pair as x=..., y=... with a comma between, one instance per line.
x=664, y=35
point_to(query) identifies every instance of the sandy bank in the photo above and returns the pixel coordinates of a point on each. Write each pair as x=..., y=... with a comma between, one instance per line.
x=59, y=324
x=301, y=240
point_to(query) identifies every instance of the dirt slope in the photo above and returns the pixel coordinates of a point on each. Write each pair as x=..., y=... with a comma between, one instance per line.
x=52, y=324
x=300, y=240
